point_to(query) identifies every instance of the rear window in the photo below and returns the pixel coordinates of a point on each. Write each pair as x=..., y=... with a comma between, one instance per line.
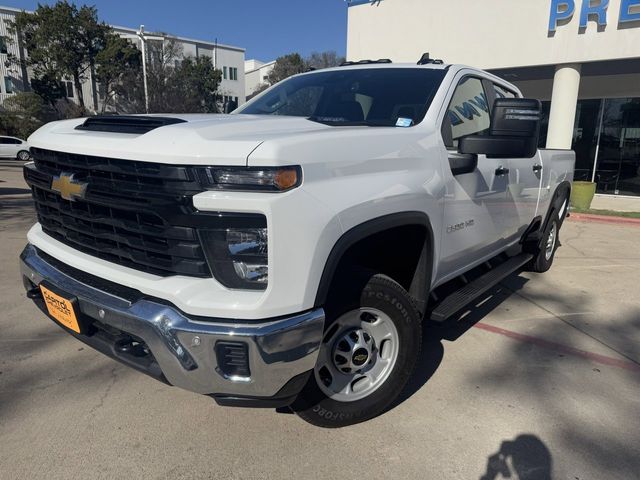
x=372, y=97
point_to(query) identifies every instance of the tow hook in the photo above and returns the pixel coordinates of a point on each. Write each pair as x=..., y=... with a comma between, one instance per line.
x=129, y=346
x=33, y=293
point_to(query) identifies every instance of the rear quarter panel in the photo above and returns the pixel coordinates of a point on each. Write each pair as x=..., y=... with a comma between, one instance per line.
x=558, y=167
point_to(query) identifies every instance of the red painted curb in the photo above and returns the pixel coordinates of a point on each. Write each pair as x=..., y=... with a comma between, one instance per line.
x=590, y=217
x=558, y=347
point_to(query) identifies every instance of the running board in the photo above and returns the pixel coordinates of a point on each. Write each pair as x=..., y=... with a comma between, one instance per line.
x=465, y=295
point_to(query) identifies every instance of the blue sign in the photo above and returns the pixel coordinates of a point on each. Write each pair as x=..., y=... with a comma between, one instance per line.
x=353, y=3
x=563, y=10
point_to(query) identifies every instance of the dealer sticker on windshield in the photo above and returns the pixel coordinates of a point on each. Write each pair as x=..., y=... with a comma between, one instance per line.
x=404, y=122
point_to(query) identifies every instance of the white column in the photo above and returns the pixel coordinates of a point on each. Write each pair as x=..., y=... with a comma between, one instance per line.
x=564, y=100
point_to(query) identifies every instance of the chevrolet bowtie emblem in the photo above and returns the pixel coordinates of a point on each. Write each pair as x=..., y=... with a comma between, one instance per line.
x=67, y=187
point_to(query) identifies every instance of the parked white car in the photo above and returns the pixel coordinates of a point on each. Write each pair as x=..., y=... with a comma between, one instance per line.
x=12, y=147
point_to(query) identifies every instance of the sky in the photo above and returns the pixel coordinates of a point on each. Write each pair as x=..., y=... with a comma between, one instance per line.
x=267, y=29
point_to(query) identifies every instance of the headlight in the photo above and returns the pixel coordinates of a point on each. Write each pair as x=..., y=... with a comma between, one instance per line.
x=238, y=257
x=270, y=179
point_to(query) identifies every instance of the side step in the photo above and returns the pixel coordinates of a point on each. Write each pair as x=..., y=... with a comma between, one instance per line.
x=465, y=295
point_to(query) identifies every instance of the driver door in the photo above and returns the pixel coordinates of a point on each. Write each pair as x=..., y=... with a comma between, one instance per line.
x=476, y=219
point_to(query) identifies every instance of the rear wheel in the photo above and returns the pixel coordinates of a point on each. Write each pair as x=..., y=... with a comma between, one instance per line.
x=369, y=350
x=23, y=155
x=551, y=239
x=546, y=250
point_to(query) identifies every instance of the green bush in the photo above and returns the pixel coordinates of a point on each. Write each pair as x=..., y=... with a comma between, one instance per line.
x=22, y=114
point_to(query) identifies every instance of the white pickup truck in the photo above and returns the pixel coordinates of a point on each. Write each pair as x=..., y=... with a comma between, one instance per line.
x=288, y=254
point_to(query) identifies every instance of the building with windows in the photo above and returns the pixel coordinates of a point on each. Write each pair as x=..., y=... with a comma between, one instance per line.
x=580, y=57
x=256, y=75
x=229, y=59
x=12, y=78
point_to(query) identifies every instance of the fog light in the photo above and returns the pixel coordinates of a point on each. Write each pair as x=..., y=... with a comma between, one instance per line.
x=251, y=272
x=247, y=241
x=238, y=257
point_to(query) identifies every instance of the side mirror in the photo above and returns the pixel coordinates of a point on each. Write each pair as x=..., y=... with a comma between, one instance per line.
x=514, y=133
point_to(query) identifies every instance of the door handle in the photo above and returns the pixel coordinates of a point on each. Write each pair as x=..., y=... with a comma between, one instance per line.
x=537, y=167
x=501, y=171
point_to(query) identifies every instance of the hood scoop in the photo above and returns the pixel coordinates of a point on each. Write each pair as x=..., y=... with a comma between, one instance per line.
x=134, y=124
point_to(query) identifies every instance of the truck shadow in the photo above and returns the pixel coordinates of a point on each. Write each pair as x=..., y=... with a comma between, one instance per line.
x=16, y=213
x=433, y=334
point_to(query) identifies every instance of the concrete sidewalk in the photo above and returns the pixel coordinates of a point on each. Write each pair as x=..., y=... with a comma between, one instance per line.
x=616, y=203
x=540, y=380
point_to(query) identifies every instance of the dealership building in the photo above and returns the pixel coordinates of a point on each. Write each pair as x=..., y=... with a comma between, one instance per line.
x=580, y=57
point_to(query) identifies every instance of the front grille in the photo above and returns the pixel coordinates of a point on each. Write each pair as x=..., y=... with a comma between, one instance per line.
x=136, y=214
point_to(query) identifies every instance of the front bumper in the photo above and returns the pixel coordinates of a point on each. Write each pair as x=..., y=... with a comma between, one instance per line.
x=181, y=349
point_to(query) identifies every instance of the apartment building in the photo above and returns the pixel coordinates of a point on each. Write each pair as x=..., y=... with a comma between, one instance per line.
x=227, y=58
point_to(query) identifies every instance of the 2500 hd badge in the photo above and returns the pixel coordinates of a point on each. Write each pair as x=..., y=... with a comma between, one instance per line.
x=460, y=226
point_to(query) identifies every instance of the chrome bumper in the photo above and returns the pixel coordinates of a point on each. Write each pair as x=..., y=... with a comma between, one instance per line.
x=183, y=347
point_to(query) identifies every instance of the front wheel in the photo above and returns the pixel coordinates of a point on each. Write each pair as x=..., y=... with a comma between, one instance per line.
x=23, y=155
x=368, y=353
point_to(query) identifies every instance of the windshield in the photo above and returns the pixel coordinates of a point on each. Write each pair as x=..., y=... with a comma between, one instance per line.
x=373, y=97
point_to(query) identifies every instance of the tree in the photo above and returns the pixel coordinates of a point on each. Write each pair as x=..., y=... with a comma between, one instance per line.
x=178, y=84
x=162, y=58
x=285, y=67
x=119, y=70
x=49, y=88
x=21, y=114
x=293, y=64
x=326, y=59
x=62, y=40
x=197, y=82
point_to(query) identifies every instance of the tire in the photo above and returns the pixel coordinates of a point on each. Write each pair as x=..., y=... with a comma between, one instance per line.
x=550, y=243
x=23, y=155
x=373, y=335
x=545, y=251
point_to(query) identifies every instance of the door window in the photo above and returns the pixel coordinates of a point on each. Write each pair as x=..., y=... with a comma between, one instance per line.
x=502, y=92
x=468, y=112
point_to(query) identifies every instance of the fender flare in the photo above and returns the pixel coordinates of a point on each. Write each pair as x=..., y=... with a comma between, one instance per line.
x=371, y=227
x=553, y=204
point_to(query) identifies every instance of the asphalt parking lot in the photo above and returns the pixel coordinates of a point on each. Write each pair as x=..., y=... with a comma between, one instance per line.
x=540, y=380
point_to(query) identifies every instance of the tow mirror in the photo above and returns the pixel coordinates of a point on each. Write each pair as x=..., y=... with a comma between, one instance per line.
x=514, y=132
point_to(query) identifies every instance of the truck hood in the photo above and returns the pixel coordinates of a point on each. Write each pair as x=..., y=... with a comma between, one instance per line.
x=213, y=139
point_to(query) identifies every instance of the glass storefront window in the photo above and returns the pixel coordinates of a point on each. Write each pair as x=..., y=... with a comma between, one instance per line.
x=618, y=168
x=585, y=137
x=618, y=163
